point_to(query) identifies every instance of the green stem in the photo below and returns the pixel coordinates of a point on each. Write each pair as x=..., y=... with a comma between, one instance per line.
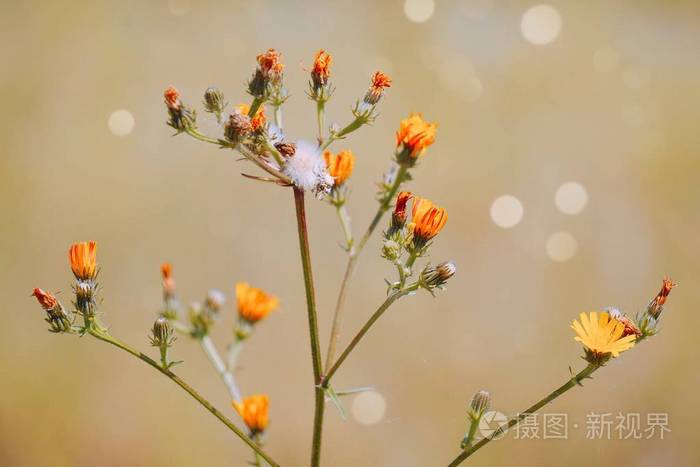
x=352, y=126
x=176, y=379
x=220, y=367
x=254, y=106
x=313, y=324
x=353, y=255
x=573, y=382
x=320, y=118
x=277, y=116
x=358, y=337
x=344, y=219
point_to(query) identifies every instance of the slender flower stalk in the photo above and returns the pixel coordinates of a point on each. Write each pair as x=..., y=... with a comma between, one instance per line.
x=221, y=368
x=571, y=383
x=358, y=337
x=305, y=252
x=105, y=337
x=353, y=255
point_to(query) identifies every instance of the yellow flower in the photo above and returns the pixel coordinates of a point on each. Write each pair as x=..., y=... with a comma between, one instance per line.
x=339, y=166
x=254, y=412
x=601, y=335
x=83, y=260
x=415, y=135
x=254, y=304
x=258, y=120
x=427, y=220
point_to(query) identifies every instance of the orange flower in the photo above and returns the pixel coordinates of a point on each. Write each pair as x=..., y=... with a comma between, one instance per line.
x=46, y=300
x=172, y=98
x=415, y=135
x=166, y=271
x=381, y=81
x=254, y=412
x=321, y=70
x=398, y=218
x=83, y=260
x=427, y=220
x=258, y=121
x=657, y=304
x=340, y=166
x=270, y=64
x=254, y=304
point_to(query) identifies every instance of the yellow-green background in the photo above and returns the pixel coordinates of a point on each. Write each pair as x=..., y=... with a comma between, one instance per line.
x=546, y=116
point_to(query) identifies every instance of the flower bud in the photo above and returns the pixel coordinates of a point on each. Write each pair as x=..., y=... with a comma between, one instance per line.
x=162, y=333
x=215, y=300
x=436, y=277
x=480, y=403
x=214, y=101
x=391, y=250
x=398, y=217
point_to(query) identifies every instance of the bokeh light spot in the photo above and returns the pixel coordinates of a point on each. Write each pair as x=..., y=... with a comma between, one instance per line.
x=368, y=407
x=121, y=122
x=507, y=211
x=561, y=246
x=419, y=11
x=571, y=198
x=541, y=24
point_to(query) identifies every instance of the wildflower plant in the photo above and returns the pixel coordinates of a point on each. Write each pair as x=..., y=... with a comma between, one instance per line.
x=254, y=130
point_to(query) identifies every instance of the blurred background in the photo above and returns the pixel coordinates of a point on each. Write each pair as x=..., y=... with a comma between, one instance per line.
x=566, y=157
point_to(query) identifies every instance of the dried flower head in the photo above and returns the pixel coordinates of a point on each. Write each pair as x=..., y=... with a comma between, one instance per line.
x=601, y=336
x=270, y=63
x=46, y=300
x=414, y=136
x=286, y=149
x=238, y=127
x=427, y=220
x=83, y=260
x=172, y=98
x=307, y=169
x=340, y=165
x=656, y=305
x=321, y=69
x=56, y=315
x=254, y=304
x=631, y=328
x=181, y=117
x=380, y=82
x=254, y=411
x=258, y=121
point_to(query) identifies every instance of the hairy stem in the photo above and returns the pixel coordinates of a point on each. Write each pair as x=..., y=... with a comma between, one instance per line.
x=220, y=367
x=320, y=118
x=573, y=382
x=313, y=324
x=353, y=255
x=176, y=379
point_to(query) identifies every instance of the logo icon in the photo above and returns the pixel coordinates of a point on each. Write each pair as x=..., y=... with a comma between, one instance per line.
x=490, y=422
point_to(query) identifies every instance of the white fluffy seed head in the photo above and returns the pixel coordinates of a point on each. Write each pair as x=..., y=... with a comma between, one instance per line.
x=307, y=169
